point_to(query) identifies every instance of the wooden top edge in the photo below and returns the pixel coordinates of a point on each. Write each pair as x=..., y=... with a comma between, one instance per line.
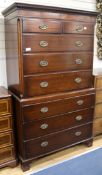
x=4, y=93
x=16, y=6
x=52, y=97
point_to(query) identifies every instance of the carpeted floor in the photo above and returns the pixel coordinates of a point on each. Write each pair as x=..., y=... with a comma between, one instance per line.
x=89, y=163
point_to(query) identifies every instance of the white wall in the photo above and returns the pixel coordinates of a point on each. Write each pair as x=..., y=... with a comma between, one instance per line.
x=76, y=4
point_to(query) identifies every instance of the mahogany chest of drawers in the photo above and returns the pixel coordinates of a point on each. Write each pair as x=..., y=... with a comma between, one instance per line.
x=7, y=147
x=49, y=65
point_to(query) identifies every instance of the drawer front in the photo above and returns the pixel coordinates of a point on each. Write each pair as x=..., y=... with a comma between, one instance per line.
x=98, y=110
x=57, y=141
x=5, y=106
x=6, y=154
x=38, y=43
x=5, y=123
x=97, y=126
x=39, y=111
x=98, y=96
x=52, y=62
x=57, y=82
x=6, y=139
x=78, y=27
x=42, y=26
x=57, y=123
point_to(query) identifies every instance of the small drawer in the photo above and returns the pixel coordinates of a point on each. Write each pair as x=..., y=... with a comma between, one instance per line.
x=6, y=154
x=98, y=82
x=60, y=106
x=57, y=82
x=5, y=123
x=41, y=25
x=97, y=126
x=6, y=139
x=57, y=123
x=54, y=142
x=5, y=106
x=98, y=110
x=53, y=62
x=98, y=96
x=78, y=27
x=49, y=43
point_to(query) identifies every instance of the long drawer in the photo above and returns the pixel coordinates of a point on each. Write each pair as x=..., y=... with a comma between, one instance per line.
x=56, y=82
x=56, y=107
x=68, y=42
x=56, y=123
x=54, y=142
x=52, y=62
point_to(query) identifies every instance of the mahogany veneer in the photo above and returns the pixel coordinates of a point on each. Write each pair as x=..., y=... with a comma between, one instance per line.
x=49, y=66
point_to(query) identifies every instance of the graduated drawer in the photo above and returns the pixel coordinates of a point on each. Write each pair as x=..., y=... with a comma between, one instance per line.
x=6, y=154
x=45, y=42
x=6, y=139
x=78, y=27
x=5, y=123
x=5, y=106
x=42, y=25
x=60, y=106
x=54, y=142
x=42, y=84
x=56, y=123
x=52, y=62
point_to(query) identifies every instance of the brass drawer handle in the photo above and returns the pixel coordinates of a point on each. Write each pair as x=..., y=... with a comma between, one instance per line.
x=44, y=109
x=43, y=26
x=44, y=144
x=44, y=126
x=78, y=133
x=80, y=102
x=79, y=117
x=43, y=43
x=79, y=43
x=78, y=61
x=43, y=63
x=78, y=80
x=44, y=84
x=79, y=28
